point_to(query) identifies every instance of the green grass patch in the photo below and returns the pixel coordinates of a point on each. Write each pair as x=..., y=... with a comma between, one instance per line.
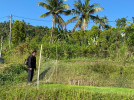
x=65, y=92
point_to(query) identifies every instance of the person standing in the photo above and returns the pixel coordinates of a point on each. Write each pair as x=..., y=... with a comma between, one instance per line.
x=31, y=66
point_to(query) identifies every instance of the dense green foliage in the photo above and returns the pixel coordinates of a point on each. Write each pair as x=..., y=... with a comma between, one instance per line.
x=107, y=43
x=4, y=29
x=114, y=43
x=121, y=22
x=18, y=32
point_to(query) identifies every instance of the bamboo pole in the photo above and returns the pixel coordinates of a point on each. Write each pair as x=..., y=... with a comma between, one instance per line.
x=39, y=68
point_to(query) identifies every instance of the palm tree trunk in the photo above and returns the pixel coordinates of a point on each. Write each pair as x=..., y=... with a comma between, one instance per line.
x=83, y=36
x=51, y=39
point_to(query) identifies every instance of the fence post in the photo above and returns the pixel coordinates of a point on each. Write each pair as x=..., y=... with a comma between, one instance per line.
x=39, y=68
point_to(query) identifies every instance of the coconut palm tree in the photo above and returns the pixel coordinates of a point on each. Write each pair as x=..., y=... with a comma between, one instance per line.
x=86, y=12
x=55, y=8
x=103, y=22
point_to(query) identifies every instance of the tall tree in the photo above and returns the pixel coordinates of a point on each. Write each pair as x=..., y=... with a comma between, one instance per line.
x=86, y=12
x=18, y=32
x=121, y=22
x=4, y=29
x=55, y=8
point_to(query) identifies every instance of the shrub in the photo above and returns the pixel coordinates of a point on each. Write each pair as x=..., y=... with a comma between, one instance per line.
x=12, y=74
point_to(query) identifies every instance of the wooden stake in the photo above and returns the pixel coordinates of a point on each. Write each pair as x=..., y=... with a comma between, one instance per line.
x=39, y=68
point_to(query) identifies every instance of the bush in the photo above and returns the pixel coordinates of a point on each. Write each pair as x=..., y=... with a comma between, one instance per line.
x=12, y=74
x=66, y=51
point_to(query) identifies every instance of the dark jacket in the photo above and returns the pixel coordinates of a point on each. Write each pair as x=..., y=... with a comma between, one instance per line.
x=32, y=62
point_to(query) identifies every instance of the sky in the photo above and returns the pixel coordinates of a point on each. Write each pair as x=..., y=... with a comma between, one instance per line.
x=113, y=9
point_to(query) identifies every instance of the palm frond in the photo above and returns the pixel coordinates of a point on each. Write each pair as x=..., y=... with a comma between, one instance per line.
x=74, y=11
x=46, y=14
x=61, y=22
x=63, y=10
x=68, y=12
x=78, y=24
x=96, y=9
x=86, y=3
x=77, y=5
x=65, y=6
x=96, y=19
x=42, y=4
x=94, y=5
x=72, y=19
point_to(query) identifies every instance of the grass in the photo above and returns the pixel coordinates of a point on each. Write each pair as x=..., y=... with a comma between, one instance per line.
x=91, y=88
x=92, y=72
x=101, y=73
x=76, y=79
x=64, y=92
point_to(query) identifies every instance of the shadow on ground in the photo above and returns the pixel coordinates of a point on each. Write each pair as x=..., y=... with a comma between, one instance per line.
x=42, y=75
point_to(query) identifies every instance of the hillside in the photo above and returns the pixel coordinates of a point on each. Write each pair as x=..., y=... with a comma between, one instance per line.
x=70, y=79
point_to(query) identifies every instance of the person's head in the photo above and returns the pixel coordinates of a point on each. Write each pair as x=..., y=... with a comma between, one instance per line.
x=34, y=53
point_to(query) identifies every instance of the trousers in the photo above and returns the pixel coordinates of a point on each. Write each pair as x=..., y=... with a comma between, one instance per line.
x=30, y=75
